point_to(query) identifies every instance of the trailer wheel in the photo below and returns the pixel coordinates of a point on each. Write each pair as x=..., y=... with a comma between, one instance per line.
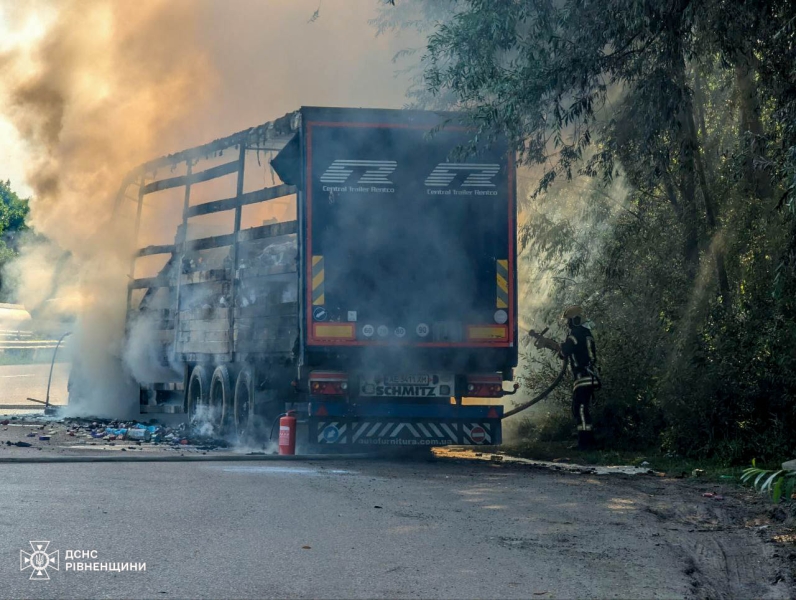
x=198, y=393
x=221, y=399
x=243, y=402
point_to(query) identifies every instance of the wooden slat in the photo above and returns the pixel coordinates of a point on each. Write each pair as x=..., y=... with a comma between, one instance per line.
x=204, y=357
x=205, y=347
x=247, y=235
x=255, y=272
x=205, y=276
x=149, y=282
x=192, y=337
x=206, y=175
x=268, y=281
x=204, y=314
x=210, y=242
x=245, y=199
x=206, y=260
x=211, y=207
x=150, y=250
x=268, y=194
x=208, y=292
x=256, y=233
x=207, y=325
x=266, y=254
x=266, y=328
x=243, y=314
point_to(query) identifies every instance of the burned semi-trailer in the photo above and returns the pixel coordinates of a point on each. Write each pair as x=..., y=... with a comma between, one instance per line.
x=384, y=297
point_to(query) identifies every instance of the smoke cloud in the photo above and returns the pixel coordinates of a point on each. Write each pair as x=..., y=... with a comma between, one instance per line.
x=94, y=88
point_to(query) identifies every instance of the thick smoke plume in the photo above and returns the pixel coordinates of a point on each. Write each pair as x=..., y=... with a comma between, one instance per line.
x=97, y=87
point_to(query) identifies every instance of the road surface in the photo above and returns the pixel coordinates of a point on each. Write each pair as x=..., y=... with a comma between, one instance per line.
x=19, y=382
x=377, y=529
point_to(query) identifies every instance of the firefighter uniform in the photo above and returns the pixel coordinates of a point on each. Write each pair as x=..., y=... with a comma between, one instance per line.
x=580, y=351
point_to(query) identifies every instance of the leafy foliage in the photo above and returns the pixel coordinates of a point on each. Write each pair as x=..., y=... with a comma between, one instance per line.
x=659, y=143
x=415, y=19
x=13, y=214
x=778, y=484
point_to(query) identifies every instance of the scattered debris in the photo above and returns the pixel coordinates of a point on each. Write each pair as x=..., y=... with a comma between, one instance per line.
x=139, y=433
x=111, y=432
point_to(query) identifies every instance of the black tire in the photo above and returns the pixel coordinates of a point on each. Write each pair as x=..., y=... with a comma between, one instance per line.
x=243, y=403
x=198, y=392
x=221, y=399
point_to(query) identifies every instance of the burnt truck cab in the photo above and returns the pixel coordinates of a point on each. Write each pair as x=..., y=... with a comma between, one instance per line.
x=407, y=294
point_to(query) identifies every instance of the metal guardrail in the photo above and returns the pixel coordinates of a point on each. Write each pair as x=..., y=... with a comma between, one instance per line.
x=35, y=345
x=23, y=340
x=32, y=345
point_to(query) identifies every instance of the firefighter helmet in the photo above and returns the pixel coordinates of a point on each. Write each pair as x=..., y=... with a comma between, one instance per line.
x=571, y=312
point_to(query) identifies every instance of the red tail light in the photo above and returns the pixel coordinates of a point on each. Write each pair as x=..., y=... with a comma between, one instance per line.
x=485, y=386
x=330, y=384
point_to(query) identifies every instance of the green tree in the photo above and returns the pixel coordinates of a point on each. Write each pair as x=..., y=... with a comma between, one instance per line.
x=688, y=271
x=13, y=215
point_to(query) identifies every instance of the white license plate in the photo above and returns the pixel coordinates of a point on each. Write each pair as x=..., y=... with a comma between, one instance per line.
x=421, y=386
x=407, y=379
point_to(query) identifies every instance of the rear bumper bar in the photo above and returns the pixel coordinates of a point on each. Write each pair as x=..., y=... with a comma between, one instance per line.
x=404, y=425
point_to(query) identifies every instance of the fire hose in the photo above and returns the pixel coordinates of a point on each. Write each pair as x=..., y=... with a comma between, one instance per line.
x=541, y=396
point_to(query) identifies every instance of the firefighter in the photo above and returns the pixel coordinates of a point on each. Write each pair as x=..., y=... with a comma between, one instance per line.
x=580, y=351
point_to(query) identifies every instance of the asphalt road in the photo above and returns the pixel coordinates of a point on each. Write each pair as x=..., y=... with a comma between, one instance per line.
x=374, y=529
x=19, y=382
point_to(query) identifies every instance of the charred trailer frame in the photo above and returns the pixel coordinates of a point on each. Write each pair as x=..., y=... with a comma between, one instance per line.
x=246, y=361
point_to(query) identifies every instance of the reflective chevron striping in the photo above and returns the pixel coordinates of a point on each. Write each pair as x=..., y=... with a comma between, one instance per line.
x=318, y=286
x=393, y=432
x=450, y=433
x=502, y=277
x=359, y=431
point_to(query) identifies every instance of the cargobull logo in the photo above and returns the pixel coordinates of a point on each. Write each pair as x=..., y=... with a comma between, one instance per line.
x=39, y=561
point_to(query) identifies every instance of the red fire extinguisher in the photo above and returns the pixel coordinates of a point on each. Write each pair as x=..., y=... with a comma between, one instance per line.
x=287, y=433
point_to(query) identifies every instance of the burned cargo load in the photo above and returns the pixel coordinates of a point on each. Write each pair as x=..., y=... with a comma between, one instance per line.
x=382, y=295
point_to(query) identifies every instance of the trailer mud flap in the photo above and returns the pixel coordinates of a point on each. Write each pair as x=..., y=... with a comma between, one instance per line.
x=471, y=425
